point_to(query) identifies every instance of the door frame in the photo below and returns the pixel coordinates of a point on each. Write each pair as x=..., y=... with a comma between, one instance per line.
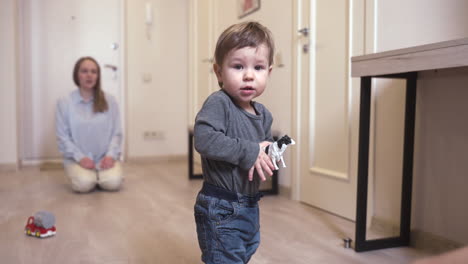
x=20, y=84
x=298, y=107
x=301, y=92
x=194, y=58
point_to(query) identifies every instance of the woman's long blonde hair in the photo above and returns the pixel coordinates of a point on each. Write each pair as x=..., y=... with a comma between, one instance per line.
x=100, y=103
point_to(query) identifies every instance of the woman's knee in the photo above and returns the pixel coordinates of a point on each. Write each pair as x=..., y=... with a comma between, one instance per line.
x=82, y=180
x=83, y=185
x=111, y=184
x=111, y=179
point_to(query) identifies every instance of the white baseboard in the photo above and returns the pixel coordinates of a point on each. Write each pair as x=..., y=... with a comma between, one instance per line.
x=42, y=164
x=285, y=191
x=52, y=163
x=151, y=159
x=431, y=242
x=8, y=167
x=38, y=162
x=419, y=239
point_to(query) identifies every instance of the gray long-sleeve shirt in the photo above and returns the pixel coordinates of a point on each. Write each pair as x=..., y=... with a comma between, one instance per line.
x=228, y=137
x=82, y=133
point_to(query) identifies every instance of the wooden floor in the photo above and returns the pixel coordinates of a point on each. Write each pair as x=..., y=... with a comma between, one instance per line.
x=151, y=221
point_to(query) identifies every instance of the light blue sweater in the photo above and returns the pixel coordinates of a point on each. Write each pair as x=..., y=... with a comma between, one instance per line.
x=82, y=133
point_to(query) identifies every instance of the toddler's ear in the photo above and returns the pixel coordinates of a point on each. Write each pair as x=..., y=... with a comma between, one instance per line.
x=217, y=70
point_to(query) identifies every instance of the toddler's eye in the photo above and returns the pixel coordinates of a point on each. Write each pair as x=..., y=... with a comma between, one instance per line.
x=238, y=67
x=259, y=67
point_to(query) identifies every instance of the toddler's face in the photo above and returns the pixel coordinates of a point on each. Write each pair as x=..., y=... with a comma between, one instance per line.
x=244, y=74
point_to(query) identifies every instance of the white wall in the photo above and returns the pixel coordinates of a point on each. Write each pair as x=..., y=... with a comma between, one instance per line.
x=79, y=28
x=277, y=16
x=410, y=23
x=440, y=152
x=161, y=104
x=8, y=86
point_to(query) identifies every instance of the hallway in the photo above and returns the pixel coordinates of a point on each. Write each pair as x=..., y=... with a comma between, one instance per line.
x=151, y=221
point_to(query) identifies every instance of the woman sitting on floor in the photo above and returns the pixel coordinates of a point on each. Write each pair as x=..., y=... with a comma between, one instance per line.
x=89, y=132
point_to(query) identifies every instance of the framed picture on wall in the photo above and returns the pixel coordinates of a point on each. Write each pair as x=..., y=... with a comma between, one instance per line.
x=247, y=7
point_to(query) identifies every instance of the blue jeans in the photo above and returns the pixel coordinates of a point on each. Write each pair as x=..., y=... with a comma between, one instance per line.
x=227, y=225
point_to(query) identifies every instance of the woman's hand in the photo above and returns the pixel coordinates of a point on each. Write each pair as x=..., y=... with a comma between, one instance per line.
x=107, y=162
x=262, y=164
x=87, y=163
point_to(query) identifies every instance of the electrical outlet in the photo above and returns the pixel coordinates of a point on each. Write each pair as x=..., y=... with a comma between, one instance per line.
x=153, y=135
x=159, y=135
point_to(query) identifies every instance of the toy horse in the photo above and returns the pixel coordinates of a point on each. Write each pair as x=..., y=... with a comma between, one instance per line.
x=277, y=149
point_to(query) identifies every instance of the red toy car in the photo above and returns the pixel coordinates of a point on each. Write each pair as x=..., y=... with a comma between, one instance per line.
x=32, y=229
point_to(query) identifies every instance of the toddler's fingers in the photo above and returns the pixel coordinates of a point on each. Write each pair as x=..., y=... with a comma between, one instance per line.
x=260, y=172
x=251, y=173
x=268, y=162
x=267, y=169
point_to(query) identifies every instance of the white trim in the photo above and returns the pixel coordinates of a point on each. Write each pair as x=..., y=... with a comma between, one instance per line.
x=153, y=159
x=36, y=162
x=329, y=173
x=8, y=167
x=312, y=81
x=17, y=23
x=375, y=24
x=20, y=84
x=193, y=58
x=296, y=101
x=123, y=78
x=211, y=39
x=349, y=93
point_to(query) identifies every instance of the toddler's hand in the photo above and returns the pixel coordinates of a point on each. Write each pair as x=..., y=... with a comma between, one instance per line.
x=263, y=163
x=87, y=163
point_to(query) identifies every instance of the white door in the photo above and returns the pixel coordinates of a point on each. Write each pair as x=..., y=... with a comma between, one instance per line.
x=202, y=80
x=54, y=34
x=328, y=104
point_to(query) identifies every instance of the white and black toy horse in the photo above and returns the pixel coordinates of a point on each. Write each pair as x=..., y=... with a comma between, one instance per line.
x=276, y=150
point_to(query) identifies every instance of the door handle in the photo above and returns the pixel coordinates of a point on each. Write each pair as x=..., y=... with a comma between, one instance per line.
x=304, y=31
x=114, y=46
x=110, y=66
